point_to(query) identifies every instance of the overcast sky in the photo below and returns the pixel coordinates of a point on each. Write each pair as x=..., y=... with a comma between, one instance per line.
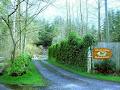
x=58, y=9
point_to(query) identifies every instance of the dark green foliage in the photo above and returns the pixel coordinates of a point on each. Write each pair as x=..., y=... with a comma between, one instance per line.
x=89, y=40
x=72, y=51
x=114, y=26
x=20, y=65
x=46, y=36
x=105, y=67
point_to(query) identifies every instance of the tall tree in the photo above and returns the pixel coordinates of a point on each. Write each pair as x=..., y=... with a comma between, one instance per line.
x=10, y=20
x=114, y=26
x=99, y=21
x=19, y=25
x=11, y=26
x=25, y=28
x=106, y=22
x=81, y=18
x=86, y=16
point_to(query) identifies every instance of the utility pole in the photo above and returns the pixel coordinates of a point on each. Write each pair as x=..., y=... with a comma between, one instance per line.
x=106, y=22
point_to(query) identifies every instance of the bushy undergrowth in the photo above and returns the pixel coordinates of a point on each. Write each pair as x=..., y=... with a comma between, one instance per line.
x=105, y=67
x=20, y=65
x=72, y=51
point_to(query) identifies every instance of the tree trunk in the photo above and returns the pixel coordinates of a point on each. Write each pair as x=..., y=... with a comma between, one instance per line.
x=25, y=29
x=86, y=16
x=24, y=42
x=13, y=53
x=99, y=22
x=13, y=41
x=67, y=17
x=106, y=22
x=81, y=17
x=19, y=26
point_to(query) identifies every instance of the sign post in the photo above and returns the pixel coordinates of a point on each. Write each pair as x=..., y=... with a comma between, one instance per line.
x=89, y=62
x=99, y=54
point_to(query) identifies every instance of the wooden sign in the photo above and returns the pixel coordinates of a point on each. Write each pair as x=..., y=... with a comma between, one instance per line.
x=102, y=53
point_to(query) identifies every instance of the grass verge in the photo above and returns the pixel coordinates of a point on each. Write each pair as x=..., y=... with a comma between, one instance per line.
x=77, y=70
x=32, y=77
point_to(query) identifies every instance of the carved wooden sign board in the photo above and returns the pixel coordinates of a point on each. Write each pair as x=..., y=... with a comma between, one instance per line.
x=102, y=53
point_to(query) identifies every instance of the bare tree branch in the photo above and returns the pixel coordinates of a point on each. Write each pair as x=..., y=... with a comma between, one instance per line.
x=35, y=15
x=15, y=8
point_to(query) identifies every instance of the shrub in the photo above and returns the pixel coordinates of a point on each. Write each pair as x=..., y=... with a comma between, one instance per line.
x=20, y=65
x=88, y=40
x=72, y=51
x=105, y=67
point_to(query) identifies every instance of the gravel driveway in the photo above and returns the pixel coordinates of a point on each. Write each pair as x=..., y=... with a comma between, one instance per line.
x=2, y=87
x=60, y=79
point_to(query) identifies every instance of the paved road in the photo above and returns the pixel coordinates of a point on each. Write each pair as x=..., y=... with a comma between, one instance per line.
x=2, y=87
x=63, y=80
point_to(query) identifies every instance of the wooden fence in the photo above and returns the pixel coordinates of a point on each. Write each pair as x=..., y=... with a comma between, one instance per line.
x=115, y=47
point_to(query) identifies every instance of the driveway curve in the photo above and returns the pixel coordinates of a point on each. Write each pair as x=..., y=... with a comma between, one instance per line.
x=60, y=79
x=2, y=87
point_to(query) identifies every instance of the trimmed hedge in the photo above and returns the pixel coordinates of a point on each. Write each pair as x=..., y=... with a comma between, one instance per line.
x=72, y=51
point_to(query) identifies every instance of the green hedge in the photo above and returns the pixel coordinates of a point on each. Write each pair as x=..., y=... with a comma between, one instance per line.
x=72, y=51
